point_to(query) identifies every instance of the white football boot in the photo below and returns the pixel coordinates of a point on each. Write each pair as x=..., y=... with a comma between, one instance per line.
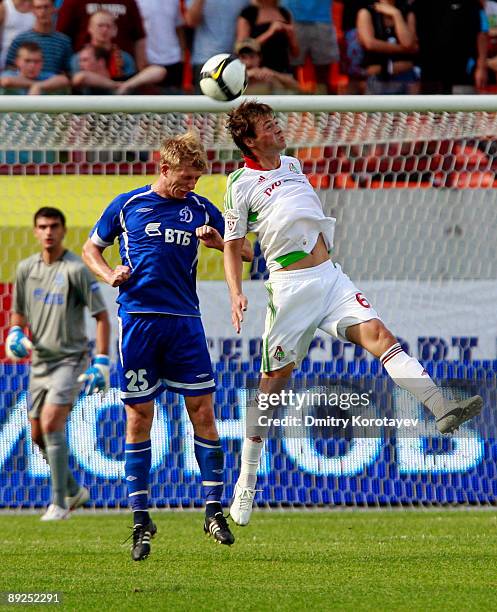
x=241, y=505
x=459, y=412
x=55, y=513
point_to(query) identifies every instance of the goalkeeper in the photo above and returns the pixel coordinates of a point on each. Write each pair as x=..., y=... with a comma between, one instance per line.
x=51, y=291
x=272, y=197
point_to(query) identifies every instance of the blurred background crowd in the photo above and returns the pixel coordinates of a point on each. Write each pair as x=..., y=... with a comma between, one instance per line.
x=288, y=46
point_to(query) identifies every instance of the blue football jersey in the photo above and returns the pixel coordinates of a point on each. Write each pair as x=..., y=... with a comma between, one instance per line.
x=157, y=241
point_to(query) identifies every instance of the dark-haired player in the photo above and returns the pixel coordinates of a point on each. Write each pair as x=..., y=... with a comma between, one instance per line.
x=51, y=291
x=273, y=198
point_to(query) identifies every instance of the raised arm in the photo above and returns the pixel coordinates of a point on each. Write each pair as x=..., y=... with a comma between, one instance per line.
x=404, y=28
x=367, y=38
x=242, y=28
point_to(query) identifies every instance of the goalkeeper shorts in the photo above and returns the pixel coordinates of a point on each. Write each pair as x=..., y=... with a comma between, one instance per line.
x=158, y=352
x=55, y=382
x=302, y=301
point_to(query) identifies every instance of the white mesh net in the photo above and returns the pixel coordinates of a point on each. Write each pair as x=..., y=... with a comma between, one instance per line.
x=412, y=194
x=87, y=131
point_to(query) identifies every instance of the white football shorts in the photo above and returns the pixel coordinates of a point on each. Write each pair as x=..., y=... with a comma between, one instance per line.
x=302, y=301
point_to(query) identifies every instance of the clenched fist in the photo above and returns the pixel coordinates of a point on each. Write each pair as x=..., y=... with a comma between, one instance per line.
x=119, y=275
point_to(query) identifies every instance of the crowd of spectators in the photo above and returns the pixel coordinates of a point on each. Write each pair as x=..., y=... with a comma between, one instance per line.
x=288, y=46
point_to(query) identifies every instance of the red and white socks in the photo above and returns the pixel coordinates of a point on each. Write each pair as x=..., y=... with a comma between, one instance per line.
x=409, y=374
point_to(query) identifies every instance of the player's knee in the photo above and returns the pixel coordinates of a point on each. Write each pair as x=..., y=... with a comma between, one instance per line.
x=138, y=422
x=53, y=418
x=203, y=418
x=50, y=425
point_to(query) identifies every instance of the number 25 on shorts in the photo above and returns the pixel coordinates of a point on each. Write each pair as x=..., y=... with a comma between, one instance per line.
x=137, y=380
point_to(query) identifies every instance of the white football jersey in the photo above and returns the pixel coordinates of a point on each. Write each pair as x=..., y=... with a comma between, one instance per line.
x=280, y=206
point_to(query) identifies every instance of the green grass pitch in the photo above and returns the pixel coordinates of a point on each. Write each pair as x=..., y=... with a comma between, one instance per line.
x=378, y=560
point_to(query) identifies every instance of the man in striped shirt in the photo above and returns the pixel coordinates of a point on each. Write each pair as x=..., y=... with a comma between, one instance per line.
x=28, y=77
x=56, y=47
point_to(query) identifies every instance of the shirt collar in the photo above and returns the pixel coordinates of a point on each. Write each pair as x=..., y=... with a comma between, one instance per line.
x=253, y=165
x=40, y=258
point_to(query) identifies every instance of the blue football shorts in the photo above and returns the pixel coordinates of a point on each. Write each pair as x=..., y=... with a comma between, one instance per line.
x=158, y=352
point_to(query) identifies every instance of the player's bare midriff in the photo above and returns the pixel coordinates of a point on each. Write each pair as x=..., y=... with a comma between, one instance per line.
x=318, y=255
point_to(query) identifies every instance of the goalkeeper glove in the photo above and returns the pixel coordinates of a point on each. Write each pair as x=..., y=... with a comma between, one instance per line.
x=17, y=345
x=96, y=377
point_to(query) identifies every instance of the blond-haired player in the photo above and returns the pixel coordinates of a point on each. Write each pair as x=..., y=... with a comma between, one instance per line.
x=162, y=342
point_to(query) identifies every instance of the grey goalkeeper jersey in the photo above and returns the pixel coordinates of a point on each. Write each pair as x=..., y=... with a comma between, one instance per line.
x=53, y=298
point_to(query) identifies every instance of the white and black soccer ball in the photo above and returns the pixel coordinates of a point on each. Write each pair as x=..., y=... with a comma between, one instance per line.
x=223, y=77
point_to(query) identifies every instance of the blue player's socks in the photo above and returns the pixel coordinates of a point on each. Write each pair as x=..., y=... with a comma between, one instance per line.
x=212, y=508
x=210, y=459
x=137, y=467
x=141, y=517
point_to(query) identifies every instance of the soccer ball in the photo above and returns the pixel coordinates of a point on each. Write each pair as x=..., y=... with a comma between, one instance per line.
x=223, y=77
